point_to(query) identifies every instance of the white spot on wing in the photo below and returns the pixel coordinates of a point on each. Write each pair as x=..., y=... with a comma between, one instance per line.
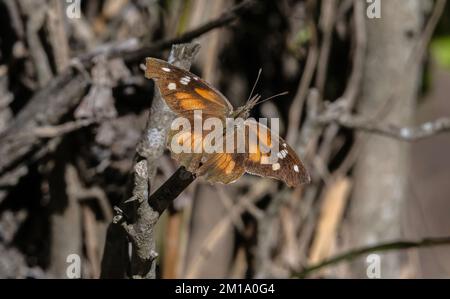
x=166, y=69
x=282, y=154
x=172, y=86
x=185, y=80
x=276, y=166
x=296, y=168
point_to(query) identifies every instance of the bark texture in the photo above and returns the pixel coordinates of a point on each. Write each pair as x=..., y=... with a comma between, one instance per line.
x=391, y=83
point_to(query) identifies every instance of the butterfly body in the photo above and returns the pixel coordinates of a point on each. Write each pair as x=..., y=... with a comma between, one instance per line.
x=186, y=94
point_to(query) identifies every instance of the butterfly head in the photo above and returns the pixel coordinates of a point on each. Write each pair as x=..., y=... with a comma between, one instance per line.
x=244, y=111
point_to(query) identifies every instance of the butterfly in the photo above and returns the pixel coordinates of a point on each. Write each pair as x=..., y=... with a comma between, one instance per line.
x=185, y=93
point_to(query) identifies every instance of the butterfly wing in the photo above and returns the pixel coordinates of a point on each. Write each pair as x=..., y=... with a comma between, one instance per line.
x=225, y=165
x=189, y=159
x=228, y=167
x=215, y=167
x=287, y=167
x=223, y=168
x=185, y=92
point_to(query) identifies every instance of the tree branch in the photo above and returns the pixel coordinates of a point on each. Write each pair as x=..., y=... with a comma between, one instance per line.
x=352, y=254
x=139, y=213
x=166, y=194
x=414, y=133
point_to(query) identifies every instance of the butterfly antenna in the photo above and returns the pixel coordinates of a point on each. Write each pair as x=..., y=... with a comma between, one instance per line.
x=272, y=97
x=254, y=85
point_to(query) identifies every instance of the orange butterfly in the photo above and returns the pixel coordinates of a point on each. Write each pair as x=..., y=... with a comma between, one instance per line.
x=186, y=93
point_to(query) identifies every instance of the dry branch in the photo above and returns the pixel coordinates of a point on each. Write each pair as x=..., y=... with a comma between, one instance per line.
x=413, y=133
x=352, y=254
x=138, y=214
x=224, y=19
x=46, y=108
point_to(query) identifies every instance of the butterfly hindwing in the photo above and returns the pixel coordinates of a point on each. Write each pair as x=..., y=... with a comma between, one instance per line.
x=287, y=167
x=225, y=165
x=223, y=168
x=192, y=158
x=228, y=167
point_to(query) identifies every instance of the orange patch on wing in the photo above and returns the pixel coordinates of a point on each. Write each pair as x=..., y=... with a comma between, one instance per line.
x=262, y=144
x=192, y=140
x=230, y=167
x=192, y=104
x=210, y=96
x=264, y=136
x=183, y=95
x=265, y=159
x=255, y=157
x=222, y=162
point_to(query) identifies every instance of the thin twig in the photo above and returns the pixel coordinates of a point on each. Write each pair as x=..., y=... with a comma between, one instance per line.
x=62, y=129
x=327, y=20
x=296, y=109
x=352, y=254
x=224, y=19
x=131, y=51
x=353, y=85
x=425, y=130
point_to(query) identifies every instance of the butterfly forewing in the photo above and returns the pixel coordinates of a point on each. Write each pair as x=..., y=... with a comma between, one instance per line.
x=185, y=92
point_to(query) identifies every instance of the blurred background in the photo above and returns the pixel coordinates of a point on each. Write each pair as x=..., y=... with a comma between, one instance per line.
x=368, y=85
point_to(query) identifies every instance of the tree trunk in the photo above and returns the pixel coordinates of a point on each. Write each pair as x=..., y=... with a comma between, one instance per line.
x=381, y=175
